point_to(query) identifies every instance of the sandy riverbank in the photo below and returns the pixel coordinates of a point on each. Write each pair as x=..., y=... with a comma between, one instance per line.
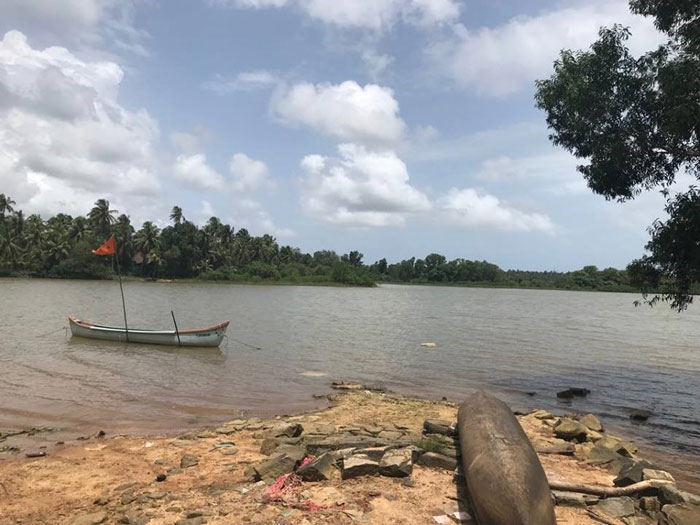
x=114, y=479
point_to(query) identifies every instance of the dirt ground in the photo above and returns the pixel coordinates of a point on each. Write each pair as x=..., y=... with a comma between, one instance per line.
x=113, y=479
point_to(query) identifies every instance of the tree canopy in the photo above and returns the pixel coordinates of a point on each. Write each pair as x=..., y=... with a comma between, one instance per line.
x=61, y=247
x=635, y=121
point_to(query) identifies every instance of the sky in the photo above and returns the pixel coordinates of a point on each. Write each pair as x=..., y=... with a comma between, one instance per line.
x=393, y=127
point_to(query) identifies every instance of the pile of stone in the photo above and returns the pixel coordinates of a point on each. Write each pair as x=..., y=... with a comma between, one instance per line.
x=585, y=434
x=383, y=449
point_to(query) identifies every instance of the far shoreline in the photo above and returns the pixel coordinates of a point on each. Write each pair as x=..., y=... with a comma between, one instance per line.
x=329, y=284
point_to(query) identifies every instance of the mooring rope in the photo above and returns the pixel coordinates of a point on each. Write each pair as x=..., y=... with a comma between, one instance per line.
x=51, y=332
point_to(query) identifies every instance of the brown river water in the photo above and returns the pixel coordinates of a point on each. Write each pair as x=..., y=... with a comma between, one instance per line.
x=286, y=343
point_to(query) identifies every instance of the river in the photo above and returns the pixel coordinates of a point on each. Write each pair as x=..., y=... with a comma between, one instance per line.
x=288, y=342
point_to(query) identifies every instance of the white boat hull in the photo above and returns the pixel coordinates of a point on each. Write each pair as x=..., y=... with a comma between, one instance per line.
x=211, y=336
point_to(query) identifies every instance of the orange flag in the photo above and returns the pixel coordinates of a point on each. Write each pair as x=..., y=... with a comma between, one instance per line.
x=109, y=247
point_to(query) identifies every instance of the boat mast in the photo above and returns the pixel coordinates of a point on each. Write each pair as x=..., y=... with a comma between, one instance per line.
x=121, y=288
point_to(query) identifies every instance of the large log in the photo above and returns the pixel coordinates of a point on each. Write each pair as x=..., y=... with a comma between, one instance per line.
x=505, y=479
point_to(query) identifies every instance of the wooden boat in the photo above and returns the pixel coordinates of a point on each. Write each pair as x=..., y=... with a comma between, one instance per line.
x=211, y=336
x=505, y=479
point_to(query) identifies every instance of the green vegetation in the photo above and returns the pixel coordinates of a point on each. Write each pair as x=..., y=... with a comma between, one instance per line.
x=62, y=247
x=636, y=122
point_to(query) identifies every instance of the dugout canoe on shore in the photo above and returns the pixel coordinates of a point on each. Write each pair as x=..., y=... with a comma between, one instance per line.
x=505, y=479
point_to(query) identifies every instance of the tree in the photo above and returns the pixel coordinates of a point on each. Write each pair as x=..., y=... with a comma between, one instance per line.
x=101, y=217
x=146, y=240
x=636, y=123
x=176, y=215
x=6, y=204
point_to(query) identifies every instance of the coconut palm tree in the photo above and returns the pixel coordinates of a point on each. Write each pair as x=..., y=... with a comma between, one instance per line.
x=146, y=239
x=176, y=215
x=78, y=229
x=124, y=232
x=101, y=217
x=6, y=204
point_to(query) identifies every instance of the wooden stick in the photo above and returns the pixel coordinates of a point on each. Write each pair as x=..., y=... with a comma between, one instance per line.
x=609, y=491
x=119, y=273
x=177, y=333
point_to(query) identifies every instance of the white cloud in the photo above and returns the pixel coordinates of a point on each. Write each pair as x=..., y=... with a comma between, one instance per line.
x=185, y=142
x=248, y=174
x=250, y=214
x=250, y=4
x=376, y=63
x=347, y=111
x=206, y=211
x=360, y=188
x=496, y=61
x=554, y=171
x=246, y=81
x=63, y=133
x=379, y=14
x=365, y=14
x=193, y=170
x=468, y=208
x=77, y=22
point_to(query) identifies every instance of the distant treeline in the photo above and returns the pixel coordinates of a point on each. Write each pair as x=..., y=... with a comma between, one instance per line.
x=61, y=247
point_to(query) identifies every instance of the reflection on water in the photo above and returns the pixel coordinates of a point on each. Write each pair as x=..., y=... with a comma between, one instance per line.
x=286, y=343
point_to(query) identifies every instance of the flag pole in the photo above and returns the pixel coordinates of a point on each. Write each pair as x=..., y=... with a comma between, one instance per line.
x=121, y=288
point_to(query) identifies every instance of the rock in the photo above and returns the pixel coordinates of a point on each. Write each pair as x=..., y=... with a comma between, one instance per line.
x=341, y=454
x=390, y=435
x=609, y=442
x=161, y=477
x=569, y=499
x=561, y=449
x=592, y=422
x=671, y=495
x=269, y=445
x=618, y=465
x=571, y=392
x=649, y=473
x=397, y=463
x=156, y=495
x=280, y=463
x=290, y=430
x=616, y=507
x=191, y=521
x=91, y=519
x=542, y=415
x=637, y=520
x=342, y=385
x=358, y=465
x=131, y=518
x=373, y=453
x=593, y=436
x=680, y=514
x=649, y=504
x=372, y=429
x=640, y=415
x=627, y=449
x=127, y=497
x=174, y=470
x=101, y=501
x=600, y=455
x=320, y=468
x=631, y=474
x=188, y=461
x=439, y=426
x=571, y=430
x=434, y=460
